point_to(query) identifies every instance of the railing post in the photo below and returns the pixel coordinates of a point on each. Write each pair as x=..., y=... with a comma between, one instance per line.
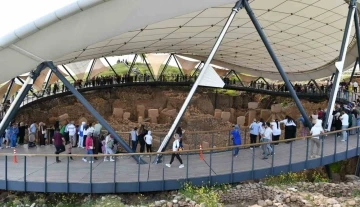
x=115, y=175
x=139, y=175
x=253, y=163
x=24, y=173
x=163, y=173
x=290, y=157
x=272, y=159
x=307, y=154
x=91, y=164
x=45, y=176
x=335, y=143
x=6, y=173
x=347, y=143
x=67, y=174
x=232, y=169
x=322, y=149
x=210, y=180
x=187, y=166
x=357, y=141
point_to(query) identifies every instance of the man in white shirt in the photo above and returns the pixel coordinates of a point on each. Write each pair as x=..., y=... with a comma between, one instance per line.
x=345, y=124
x=316, y=130
x=71, y=129
x=134, y=140
x=355, y=85
x=267, y=150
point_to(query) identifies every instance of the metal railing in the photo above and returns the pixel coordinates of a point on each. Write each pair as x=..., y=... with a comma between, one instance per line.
x=234, y=84
x=38, y=172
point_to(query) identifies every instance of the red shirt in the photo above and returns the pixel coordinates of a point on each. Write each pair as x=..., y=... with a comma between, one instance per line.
x=88, y=142
x=58, y=139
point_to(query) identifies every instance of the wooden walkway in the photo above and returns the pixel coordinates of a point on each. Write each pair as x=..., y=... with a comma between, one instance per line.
x=127, y=170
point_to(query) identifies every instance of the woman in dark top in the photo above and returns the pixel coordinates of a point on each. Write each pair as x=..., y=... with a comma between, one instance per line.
x=22, y=129
x=180, y=132
x=141, y=134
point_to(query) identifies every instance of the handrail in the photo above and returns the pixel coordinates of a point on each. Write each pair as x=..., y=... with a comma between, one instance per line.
x=228, y=148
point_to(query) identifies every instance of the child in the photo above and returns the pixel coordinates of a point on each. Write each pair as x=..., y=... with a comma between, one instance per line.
x=176, y=146
x=148, y=140
x=89, y=145
x=109, y=142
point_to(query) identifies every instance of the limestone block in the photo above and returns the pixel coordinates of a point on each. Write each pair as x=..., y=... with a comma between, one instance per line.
x=217, y=111
x=126, y=115
x=253, y=105
x=153, y=120
x=153, y=112
x=217, y=115
x=140, y=110
x=63, y=117
x=225, y=116
x=140, y=119
x=205, y=145
x=52, y=120
x=265, y=114
x=186, y=147
x=118, y=112
x=251, y=116
x=276, y=108
x=240, y=120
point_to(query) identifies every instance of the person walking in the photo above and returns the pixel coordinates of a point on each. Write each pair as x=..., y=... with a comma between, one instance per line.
x=58, y=141
x=315, y=131
x=276, y=131
x=254, y=132
x=175, y=149
x=89, y=146
x=236, y=137
x=81, y=134
x=22, y=129
x=344, y=125
x=290, y=127
x=13, y=131
x=32, y=131
x=71, y=129
x=180, y=132
x=148, y=140
x=109, y=142
x=141, y=134
x=266, y=139
x=134, y=139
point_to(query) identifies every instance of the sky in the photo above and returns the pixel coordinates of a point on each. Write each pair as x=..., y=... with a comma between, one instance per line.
x=15, y=13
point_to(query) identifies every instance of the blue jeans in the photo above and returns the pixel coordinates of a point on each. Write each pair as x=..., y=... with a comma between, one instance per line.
x=89, y=152
x=267, y=150
x=13, y=140
x=344, y=133
x=134, y=145
x=236, y=151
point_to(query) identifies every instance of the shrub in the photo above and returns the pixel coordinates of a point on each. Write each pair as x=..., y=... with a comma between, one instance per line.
x=287, y=178
x=204, y=194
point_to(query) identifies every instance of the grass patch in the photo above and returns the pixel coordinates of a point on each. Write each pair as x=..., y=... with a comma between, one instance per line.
x=209, y=195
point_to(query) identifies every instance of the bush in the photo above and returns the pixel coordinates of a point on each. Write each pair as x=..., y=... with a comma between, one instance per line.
x=204, y=194
x=288, y=178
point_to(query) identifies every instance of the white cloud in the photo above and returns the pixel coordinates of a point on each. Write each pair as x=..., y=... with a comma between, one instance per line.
x=15, y=13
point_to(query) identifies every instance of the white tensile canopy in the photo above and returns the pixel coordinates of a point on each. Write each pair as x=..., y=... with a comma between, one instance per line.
x=305, y=34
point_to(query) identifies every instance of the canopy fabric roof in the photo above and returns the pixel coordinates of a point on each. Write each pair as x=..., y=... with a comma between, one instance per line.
x=186, y=65
x=156, y=60
x=306, y=35
x=4, y=88
x=98, y=68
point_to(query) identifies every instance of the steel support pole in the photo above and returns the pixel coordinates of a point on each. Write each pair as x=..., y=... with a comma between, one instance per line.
x=147, y=65
x=132, y=64
x=235, y=10
x=15, y=105
x=91, y=109
x=30, y=88
x=197, y=68
x=332, y=77
x=178, y=65
x=166, y=65
x=90, y=71
x=340, y=63
x=47, y=83
x=110, y=66
x=9, y=89
x=353, y=71
x=276, y=62
x=233, y=71
x=72, y=77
